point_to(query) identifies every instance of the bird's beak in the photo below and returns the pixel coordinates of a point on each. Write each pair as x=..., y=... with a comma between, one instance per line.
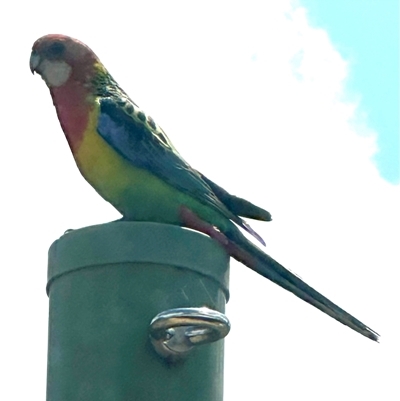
x=34, y=61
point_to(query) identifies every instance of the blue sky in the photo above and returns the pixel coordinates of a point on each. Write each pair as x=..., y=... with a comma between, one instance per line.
x=366, y=33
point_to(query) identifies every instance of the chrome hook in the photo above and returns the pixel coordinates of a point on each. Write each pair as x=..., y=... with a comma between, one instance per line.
x=175, y=332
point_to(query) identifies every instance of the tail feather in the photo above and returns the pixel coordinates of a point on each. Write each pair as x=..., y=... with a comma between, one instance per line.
x=237, y=246
x=245, y=252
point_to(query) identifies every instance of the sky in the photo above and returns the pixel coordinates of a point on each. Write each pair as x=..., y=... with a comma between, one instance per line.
x=269, y=102
x=366, y=32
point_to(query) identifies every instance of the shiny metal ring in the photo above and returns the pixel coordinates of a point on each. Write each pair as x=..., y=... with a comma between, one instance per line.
x=175, y=332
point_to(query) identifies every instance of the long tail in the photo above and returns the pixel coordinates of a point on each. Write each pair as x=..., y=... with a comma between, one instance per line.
x=245, y=252
x=240, y=248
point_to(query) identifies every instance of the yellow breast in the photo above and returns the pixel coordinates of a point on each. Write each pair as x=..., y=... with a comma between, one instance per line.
x=134, y=192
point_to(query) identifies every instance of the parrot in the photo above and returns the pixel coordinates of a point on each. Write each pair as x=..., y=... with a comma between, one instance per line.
x=130, y=161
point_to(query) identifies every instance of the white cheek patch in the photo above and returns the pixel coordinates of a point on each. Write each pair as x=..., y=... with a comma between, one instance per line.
x=55, y=73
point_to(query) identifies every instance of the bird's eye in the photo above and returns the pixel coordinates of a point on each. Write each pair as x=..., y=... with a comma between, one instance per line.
x=55, y=50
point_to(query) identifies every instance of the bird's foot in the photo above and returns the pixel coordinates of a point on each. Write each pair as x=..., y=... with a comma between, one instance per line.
x=191, y=220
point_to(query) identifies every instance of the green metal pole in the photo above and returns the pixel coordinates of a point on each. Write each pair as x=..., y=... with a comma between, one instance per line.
x=105, y=285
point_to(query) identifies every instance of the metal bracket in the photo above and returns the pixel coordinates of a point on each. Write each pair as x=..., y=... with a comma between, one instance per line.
x=175, y=332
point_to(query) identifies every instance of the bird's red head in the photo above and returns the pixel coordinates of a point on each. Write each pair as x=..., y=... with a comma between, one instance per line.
x=59, y=58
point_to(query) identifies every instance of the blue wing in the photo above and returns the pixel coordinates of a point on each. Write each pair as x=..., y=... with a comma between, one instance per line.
x=140, y=141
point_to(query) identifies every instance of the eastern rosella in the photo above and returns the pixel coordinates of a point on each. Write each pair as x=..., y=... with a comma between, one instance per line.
x=132, y=164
